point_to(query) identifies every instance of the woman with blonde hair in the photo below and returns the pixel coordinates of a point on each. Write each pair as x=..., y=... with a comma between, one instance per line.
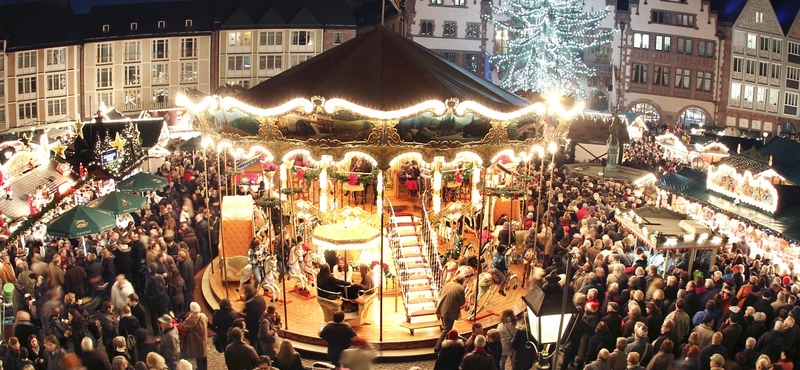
x=288, y=358
x=154, y=361
x=120, y=363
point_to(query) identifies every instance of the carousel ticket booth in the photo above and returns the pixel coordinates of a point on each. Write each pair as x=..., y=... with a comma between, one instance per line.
x=367, y=171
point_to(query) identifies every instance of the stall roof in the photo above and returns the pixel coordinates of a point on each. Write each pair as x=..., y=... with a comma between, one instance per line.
x=745, y=163
x=683, y=180
x=787, y=222
x=380, y=70
x=785, y=157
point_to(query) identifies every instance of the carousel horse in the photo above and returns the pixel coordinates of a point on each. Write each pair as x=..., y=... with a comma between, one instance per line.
x=449, y=271
x=295, y=270
x=270, y=279
x=247, y=274
x=310, y=261
x=487, y=287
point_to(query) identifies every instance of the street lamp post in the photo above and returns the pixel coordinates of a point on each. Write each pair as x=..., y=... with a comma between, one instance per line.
x=620, y=70
x=546, y=308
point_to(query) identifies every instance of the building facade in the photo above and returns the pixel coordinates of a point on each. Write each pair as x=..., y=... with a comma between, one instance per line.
x=762, y=73
x=670, y=59
x=137, y=57
x=455, y=29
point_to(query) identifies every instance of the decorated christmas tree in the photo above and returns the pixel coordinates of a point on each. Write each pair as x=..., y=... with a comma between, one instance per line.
x=546, y=40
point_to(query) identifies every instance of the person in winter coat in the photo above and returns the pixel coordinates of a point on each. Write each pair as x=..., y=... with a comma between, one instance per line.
x=109, y=327
x=451, y=298
x=664, y=358
x=254, y=307
x=52, y=354
x=522, y=357
x=601, y=339
x=771, y=343
x=641, y=346
x=288, y=358
x=478, y=359
x=359, y=356
x=507, y=330
x=195, y=330
x=239, y=355
x=338, y=334
x=450, y=353
x=493, y=346
x=601, y=363
x=222, y=320
x=119, y=293
x=169, y=344
x=156, y=292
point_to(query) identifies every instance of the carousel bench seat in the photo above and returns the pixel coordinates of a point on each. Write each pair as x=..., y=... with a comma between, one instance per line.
x=356, y=318
x=235, y=267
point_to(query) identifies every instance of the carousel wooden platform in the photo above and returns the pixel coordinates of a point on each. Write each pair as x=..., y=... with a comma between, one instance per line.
x=304, y=317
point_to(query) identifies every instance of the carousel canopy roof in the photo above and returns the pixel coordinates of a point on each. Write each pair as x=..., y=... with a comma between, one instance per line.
x=384, y=71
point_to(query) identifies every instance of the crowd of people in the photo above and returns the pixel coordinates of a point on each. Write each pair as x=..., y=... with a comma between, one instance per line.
x=736, y=313
x=125, y=298
x=127, y=301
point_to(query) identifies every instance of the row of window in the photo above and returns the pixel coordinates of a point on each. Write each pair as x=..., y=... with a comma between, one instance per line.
x=672, y=18
x=160, y=50
x=470, y=60
x=682, y=45
x=159, y=74
x=242, y=62
x=661, y=77
x=29, y=110
x=757, y=94
x=450, y=29
x=756, y=42
x=756, y=67
x=275, y=38
x=53, y=57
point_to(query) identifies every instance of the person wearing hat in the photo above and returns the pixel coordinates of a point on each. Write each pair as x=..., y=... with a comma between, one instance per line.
x=450, y=353
x=478, y=359
x=640, y=345
x=613, y=319
x=169, y=344
x=195, y=329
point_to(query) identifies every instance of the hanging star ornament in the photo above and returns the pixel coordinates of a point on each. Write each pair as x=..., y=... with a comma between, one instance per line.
x=136, y=132
x=59, y=149
x=25, y=140
x=79, y=128
x=118, y=143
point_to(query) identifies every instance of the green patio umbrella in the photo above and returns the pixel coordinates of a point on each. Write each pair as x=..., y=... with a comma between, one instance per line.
x=81, y=221
x=191, y=144
x=142, y=182
x=119, y=203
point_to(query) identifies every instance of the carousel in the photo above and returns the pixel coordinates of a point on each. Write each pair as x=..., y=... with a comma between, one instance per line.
x=386, y=162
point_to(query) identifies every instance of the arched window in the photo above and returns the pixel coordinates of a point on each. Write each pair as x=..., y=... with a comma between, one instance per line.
x=649, y=113
x=693, y=117
x=787, y=130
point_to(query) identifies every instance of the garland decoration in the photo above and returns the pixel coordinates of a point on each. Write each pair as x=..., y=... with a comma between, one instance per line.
x=512, y=193
x=289, y=191
x=312, y=175
x=467, y=173
x=269, y=202
x=448, y=176
x=362, y=179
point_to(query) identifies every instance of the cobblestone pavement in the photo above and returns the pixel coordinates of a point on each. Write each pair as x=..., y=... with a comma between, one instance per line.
x=216, y=361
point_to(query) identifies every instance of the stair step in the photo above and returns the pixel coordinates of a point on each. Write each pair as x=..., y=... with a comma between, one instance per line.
x=414, y=266
x=410, y=243
x=418, y=277
x=412, y=255
x=407, y=224
x=420, y=288
x=420, y=325
x=407, y=232
x=422, y=313
x=422, y=300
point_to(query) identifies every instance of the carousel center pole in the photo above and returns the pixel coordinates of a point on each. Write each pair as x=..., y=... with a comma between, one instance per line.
x=379, y=190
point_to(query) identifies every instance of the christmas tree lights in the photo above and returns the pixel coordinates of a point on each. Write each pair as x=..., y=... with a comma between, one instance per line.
x=546, y=40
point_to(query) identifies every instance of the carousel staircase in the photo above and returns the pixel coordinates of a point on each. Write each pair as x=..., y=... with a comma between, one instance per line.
x=417, y=283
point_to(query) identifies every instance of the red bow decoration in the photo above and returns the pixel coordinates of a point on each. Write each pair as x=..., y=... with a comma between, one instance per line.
x=262, y=157
x=458, y=177
x=353, y=179
x=300, y=173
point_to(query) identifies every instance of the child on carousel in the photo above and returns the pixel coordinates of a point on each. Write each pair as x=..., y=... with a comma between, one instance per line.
x=499, y=268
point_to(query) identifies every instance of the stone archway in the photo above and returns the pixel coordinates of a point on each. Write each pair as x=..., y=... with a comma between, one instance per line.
x=650, y=112
x=787, y=130
x=693, y=116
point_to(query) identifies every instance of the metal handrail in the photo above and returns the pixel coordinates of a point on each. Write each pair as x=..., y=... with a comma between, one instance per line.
x=395, y=244
x=432, y=254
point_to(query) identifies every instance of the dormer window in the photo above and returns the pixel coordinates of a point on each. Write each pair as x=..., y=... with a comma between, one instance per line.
x=162, y=24
x=188, y=23
x=134, y=26
x=106, y=28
